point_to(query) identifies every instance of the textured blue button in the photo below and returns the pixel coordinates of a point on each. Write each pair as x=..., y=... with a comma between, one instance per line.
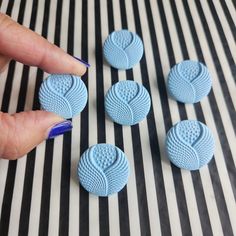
x=65, y=95
x=103, y=169
x=123, y=49
x=190, y=144
x=127, y=102
x=189, y=81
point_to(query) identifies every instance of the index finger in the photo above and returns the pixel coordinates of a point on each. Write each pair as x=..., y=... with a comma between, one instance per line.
x=28, y=47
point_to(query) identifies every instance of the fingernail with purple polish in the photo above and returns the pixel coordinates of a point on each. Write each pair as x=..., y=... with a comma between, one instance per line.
x=82, y=61
x=60, y=128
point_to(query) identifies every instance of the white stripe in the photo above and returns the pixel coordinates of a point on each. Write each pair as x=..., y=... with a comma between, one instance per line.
x=21, y=163
x=128, y=149
x=3, y=176
x=3, y=78
x=93, y=200
x=231, y=10
x=154, y=217
x=131, y=186
x=40, y=151
x=75, y=138
x=35, y=206
x=216, y=85
x=54, y=212
x=167, y=172
x=114, y=226
x=4, y=6
x=116, y=14
x=17, y=197
x=15, y=10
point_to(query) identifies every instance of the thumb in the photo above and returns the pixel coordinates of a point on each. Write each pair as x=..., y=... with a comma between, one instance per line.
x=21, y=132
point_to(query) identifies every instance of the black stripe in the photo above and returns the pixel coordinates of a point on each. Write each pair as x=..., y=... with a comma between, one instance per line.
x=65, y=186
x=29, y=172
x=137, y=148
x=0, y=3
x=221, y=205
x=47, y=171
x=84, y=129
x=154, y=142
x=66, y=152
x=9, y=8
x=46, y=189
x=103, y=202
x=221, y=77
x=229, y=18
x=122, y=195
x=177, y=178
x=11, y=173
x=215, y=110
x=223, y=38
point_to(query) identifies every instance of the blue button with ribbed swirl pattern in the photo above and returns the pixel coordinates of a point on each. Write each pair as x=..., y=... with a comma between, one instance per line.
x=65, y=95
x=127, y=102
x=189, y=82
x=123, y=49
x=103, y=169
x=190, y=145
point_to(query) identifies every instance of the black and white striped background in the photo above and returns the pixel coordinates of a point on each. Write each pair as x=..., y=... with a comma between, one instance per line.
x=40, y=195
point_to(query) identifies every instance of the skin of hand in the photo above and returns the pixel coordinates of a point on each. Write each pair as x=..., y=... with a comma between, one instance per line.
x=21, y=132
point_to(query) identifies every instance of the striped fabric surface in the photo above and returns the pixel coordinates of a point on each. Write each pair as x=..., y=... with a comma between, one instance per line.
x=40, y=194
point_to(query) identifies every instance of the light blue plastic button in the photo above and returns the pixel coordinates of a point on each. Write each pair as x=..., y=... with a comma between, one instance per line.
x=65, y=95
x=190, y=145
x=189, y=81
x=123, y=49
x=127, y=102
x=103, y=169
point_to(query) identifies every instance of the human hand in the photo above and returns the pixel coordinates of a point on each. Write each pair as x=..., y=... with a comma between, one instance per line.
x=21, y=132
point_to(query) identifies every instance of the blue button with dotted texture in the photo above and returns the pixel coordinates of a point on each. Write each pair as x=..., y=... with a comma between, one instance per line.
x=127, y=102
x=65, y=95
x=103, y=169
x=123, y=49
x=189, y=81
x=190, y=145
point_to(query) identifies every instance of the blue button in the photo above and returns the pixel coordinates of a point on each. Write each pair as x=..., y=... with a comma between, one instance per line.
x=127, y=102
x=190, y=145
x=123, y=49
x=189, y=82
x=65, y=95
x=103, y=169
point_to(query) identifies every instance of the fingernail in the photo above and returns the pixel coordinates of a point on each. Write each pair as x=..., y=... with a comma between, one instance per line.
x=82, y=61
x=60, y=128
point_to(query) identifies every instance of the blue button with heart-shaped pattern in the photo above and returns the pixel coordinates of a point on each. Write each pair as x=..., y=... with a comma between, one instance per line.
x=63, y=94
x=103, y=169
x=190, y=144
x=189, y=81
x=123, y=49
x=127, y=102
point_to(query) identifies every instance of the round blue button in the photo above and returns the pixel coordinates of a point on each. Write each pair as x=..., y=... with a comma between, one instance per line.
x=127, y=102
x=123, y=49
x=103, y=169
x=189, y=81
x=190, y=145
x=65, y=95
